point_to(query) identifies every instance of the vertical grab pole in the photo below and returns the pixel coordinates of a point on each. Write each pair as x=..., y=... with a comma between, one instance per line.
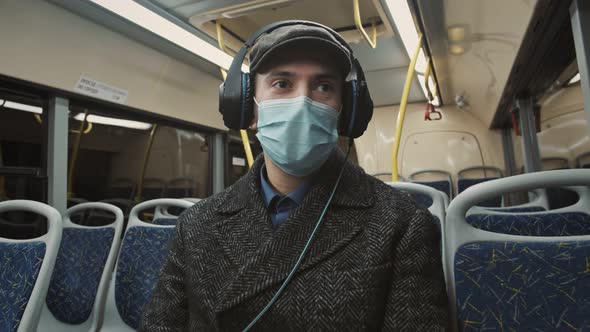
x=74, y=158
x=402, y=111
x=243, y=133
x=146, y=158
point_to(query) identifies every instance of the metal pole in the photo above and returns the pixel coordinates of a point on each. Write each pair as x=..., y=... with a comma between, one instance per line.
x=509, y=160
x=218, y=163
x=580, y=18
x=57, y=153
x=146, y=158
x=530, y=145
x=74, y=157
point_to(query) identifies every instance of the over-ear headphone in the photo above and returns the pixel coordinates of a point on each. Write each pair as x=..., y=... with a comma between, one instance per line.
x=236, y=93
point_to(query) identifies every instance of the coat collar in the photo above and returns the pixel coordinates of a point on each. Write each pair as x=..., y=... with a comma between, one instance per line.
x=246, y=237
x=354, y=189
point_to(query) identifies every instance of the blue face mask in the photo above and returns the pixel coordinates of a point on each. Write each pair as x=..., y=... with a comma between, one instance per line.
x=297, y=134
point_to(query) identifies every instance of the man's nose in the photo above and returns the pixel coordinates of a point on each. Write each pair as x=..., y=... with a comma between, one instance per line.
x=305, y=90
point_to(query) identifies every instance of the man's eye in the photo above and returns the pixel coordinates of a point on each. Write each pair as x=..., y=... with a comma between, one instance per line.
x=325, y=87
x=280, y=84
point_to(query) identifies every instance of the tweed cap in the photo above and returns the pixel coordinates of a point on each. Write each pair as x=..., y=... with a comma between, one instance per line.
x=302, y=37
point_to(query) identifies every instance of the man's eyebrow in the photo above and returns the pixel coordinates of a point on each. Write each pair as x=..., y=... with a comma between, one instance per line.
x=282, y=73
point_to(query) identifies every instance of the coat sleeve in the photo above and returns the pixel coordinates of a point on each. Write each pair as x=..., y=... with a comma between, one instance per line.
x=417, y=299
x=168, y=308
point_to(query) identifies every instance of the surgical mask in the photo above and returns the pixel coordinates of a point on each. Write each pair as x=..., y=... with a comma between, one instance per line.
x=297, y=134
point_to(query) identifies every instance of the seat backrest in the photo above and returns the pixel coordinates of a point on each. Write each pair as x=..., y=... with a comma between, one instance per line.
x=163, y=215
x=553, y=163
x=538, y=202
x=583, y=160
x=26, y=267
x=514, y=282
x=82, y=270
x=427, y=197
x=445, y=184
x=122, y=188
x=180, y=187
x=153, y=188
x=489, y=172
x=386, y=176
x=143, y=252
x=571, y=220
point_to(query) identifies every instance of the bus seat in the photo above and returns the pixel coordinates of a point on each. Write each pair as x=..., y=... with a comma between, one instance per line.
x=538, y=202
x=122, y=188
x=445, y=185
x=152, y=189
x=464, y=182
x=434, y=198
x=26, y=267
x=143, y=252
x=170, y=212
x=514, y=282
x=386, y=176
x=583, y=160
x=82, y=272
x=571, y=220
x=180, y=187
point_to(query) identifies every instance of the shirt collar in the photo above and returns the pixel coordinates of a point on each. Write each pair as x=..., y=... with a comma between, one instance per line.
x=269, y=193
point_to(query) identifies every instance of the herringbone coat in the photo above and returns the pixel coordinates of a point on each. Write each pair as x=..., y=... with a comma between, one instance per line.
x=375, y=263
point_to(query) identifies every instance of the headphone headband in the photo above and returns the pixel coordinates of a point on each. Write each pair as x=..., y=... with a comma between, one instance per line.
x=235, y=93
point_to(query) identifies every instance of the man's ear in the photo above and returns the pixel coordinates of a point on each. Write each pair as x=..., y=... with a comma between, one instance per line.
x=254, y=124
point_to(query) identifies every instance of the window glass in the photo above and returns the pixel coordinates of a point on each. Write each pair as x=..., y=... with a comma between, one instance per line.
x=22, y=154
x=111, y=158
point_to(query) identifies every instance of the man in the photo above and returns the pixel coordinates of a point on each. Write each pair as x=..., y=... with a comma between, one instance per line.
x=375, y=260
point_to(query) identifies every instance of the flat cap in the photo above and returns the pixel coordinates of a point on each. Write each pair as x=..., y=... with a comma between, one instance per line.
x=304, y=37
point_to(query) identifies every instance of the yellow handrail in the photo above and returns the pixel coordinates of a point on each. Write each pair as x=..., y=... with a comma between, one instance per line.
x=146, y=158
x=243, y=133
x=426, y=78
x=402, y=111
x=359, y=25
x=74, y=157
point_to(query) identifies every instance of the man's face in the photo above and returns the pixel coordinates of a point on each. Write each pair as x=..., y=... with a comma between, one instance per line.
x=299, y=74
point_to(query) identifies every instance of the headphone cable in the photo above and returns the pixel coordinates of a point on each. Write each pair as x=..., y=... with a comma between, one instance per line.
x=305, y=248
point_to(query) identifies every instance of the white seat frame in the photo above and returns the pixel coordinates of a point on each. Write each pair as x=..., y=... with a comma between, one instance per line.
x=52, y=239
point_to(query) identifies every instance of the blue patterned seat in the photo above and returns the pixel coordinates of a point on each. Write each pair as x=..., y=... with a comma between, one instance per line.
x=519, y=209
x=540, y=224
x=19, y=268
x=443, y=185
x=535, y=286
x=423, y=200
x=143, y=253
x=165, y=221
x=78, y=269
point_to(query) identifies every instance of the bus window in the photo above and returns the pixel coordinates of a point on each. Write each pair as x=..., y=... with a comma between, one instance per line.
x=22, y=172
x=22, y=150
x=111, y=153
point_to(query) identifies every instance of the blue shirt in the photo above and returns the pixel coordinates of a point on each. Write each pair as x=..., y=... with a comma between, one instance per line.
x=280, y=206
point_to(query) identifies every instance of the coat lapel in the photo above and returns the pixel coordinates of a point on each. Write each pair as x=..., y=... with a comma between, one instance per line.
x=262, y=258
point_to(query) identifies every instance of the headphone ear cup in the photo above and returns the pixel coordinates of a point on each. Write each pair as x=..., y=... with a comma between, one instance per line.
x=347, y=103
x=247, y=102
x=364, y=110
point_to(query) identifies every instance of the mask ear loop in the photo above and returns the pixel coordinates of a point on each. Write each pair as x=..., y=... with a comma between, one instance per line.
x=305, y=248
